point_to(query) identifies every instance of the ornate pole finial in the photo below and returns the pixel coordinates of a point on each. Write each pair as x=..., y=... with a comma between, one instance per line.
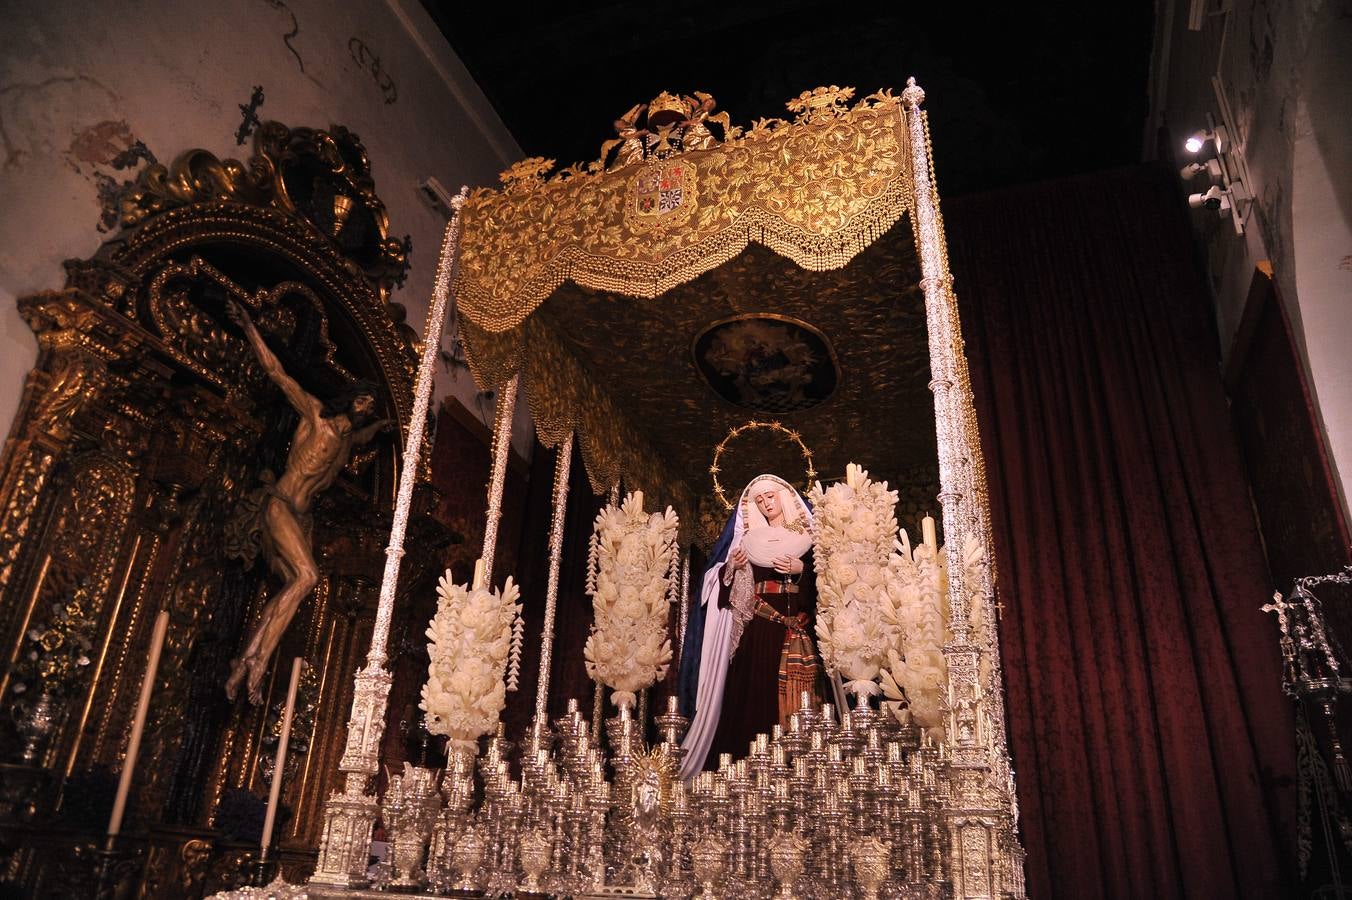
x=913, y=95
x=459, y=199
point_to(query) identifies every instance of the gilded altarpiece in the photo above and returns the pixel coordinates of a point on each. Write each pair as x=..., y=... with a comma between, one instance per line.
x=144, y=425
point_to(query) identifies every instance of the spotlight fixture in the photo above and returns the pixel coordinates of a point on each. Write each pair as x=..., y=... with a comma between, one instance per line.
x=435, y=195
x=1232, y=199
x=1199, y=139
x=1227, y=174
x=1212, y=168
x=1214, y=198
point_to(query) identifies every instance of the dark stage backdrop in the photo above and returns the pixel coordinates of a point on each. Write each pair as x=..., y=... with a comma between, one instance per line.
x=1152, y=746
x=573, y=613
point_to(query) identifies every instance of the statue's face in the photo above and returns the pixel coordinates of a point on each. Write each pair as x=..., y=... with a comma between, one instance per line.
x=768, y=503
x=363, y=405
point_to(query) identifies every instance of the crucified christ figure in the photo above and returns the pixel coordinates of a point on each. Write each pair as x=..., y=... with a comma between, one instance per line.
x=319, y=449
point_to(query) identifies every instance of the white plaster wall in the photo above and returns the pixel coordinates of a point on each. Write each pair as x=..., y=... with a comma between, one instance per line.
x=1321, y=237
x=1286, y=68
x=79, y=81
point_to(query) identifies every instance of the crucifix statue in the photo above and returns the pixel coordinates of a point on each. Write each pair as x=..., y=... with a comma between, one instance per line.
x=320, y=448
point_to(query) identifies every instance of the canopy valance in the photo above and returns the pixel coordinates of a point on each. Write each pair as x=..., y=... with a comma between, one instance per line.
x=668, y=201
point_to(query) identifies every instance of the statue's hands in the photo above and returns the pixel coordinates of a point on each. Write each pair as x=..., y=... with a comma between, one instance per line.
x=788, y=565
x=237, y=314
x=380, y=426
x=738, y=558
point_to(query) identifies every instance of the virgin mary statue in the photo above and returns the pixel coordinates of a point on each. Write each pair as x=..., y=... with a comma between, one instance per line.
x=749, y=650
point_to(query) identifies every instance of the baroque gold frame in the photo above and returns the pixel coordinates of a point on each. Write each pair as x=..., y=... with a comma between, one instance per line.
x=89, y=473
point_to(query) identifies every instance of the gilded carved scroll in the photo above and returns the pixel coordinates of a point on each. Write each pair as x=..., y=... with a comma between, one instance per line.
x=143, y=422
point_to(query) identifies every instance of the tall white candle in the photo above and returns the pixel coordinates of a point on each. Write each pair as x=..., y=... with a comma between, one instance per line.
x=279, y=763
x=478, y=574
x=139, y=724
x=927, y=529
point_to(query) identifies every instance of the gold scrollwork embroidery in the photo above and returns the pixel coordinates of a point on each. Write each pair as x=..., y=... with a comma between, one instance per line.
x=818, y=191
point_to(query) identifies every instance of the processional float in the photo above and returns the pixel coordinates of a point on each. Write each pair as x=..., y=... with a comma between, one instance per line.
x=855, y=802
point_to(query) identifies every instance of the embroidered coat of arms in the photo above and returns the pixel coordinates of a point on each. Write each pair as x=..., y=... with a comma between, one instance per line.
x=661, y=193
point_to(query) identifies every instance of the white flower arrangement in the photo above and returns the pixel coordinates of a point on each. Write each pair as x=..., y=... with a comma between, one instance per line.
x=856, y=625
x=474, y=631
x=882, y=605
x=635, y=553
x=915, y=681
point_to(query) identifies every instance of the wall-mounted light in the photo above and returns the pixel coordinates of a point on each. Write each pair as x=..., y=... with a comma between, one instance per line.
x=1231, y=200
x=1214, y=198
x=1216, y=134
x=435, y=195
x=1212, y=168
x=1227, y=196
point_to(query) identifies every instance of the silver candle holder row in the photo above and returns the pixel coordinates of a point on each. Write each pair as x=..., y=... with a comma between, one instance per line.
x=834, y=806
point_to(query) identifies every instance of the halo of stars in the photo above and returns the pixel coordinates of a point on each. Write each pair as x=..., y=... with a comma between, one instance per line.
x=739, y=430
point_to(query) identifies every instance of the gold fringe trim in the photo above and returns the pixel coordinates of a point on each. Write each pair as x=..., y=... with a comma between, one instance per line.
x=815, y=193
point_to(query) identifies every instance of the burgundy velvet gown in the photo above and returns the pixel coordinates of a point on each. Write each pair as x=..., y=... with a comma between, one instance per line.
x=751, y=692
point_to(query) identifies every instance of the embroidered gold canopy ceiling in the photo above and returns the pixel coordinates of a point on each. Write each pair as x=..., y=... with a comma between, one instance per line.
x=587, y=284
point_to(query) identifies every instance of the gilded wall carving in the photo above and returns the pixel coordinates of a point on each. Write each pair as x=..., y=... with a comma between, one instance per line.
x=143, y=422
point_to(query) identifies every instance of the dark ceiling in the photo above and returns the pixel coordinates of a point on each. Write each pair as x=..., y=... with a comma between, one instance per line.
x=1016, y=91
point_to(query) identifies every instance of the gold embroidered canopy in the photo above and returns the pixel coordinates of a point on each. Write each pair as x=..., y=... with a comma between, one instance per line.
x=558, y=278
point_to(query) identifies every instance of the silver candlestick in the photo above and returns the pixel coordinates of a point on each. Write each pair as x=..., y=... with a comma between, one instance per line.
x=410, y=809
x=787, y=851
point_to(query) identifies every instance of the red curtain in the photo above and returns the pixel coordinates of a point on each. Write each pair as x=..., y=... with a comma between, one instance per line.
x=573, y=613
x=1152, y=745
